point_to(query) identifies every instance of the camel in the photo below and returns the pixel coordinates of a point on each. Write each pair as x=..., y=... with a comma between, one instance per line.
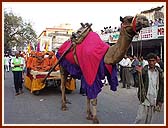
x=108, y=56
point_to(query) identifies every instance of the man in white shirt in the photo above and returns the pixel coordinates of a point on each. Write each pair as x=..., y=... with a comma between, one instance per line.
x=127, y=77
x=7, y=61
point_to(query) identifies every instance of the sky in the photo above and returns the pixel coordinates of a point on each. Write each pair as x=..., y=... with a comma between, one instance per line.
x=44, y=15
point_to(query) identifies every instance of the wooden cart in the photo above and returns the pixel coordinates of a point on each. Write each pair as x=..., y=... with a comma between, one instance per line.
x=33, y=81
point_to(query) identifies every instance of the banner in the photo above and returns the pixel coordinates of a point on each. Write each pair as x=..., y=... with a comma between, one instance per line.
x=150, y=33
x=29, y=48
x=110, y=37
x=160, y=32
x=38, y=47
x=46, y=44
x=114, y=37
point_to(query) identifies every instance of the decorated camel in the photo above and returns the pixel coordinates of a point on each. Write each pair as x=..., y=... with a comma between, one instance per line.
x=86, y=57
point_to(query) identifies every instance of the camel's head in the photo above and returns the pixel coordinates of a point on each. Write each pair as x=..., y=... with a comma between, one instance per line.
x=137, y=23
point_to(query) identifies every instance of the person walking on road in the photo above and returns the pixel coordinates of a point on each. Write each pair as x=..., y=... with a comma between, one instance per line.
x=150, y=91
x=135, y=65
x=6, y=62
x=17, y=68
x=127, y=77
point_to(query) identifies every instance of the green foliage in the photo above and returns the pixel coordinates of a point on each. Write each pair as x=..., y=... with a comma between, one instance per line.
x=16, y=31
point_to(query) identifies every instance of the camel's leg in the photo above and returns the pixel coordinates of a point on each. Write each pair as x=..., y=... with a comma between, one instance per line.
x=89, y=113
x=63, y=82
x=94, y=105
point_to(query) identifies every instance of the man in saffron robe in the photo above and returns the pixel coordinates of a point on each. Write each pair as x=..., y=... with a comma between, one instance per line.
x=53, y=60
x=40, y=64
x=30, y=59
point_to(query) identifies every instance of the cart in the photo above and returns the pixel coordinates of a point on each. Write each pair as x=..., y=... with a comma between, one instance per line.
x=34, y=81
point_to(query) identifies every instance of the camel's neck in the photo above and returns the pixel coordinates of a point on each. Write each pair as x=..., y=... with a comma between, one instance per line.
x=116, y=52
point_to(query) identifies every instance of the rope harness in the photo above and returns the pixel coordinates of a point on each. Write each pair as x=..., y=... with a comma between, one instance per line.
x=78, y=37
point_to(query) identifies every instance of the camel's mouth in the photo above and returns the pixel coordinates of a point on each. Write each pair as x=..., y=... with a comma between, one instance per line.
x=145, y=24
x=138, y=22
x=142, y=20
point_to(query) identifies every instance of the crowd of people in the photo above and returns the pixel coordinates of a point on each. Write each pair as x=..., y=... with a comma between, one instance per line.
x=147, y=76
x=129, y=66
x=41, y=61
x=38, y=61
x=21, y=63
x=109, y=29
x=156, y=22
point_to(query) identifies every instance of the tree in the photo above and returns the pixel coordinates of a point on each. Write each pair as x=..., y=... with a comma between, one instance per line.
x=16, y=31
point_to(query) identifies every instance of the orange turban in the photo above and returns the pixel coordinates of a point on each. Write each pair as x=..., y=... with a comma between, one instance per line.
x=40, y=54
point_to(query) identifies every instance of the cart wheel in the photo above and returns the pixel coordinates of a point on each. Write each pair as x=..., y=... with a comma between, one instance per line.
x=37, y=93
x=67, y=91
x=58, y=83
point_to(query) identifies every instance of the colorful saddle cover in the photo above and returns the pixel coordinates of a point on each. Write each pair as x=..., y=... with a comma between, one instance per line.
x=90, y=54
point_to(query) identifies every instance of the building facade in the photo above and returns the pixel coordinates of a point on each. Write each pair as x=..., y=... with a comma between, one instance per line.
x=58, y=35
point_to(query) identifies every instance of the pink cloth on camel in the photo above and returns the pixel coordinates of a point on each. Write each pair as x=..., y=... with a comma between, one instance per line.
x=89, y=53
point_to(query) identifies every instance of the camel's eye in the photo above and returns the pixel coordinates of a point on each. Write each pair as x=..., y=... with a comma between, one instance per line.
x=130, y=20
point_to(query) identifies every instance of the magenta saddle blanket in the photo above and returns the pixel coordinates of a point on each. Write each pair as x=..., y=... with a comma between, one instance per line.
x=89, y=54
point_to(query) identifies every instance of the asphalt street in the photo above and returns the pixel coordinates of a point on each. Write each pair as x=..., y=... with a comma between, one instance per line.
x=119, y=107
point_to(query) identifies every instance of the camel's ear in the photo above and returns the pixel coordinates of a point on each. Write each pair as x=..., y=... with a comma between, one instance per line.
x=121, y=19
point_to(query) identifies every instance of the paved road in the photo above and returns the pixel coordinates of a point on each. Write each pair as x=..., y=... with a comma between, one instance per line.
x=118, y=107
